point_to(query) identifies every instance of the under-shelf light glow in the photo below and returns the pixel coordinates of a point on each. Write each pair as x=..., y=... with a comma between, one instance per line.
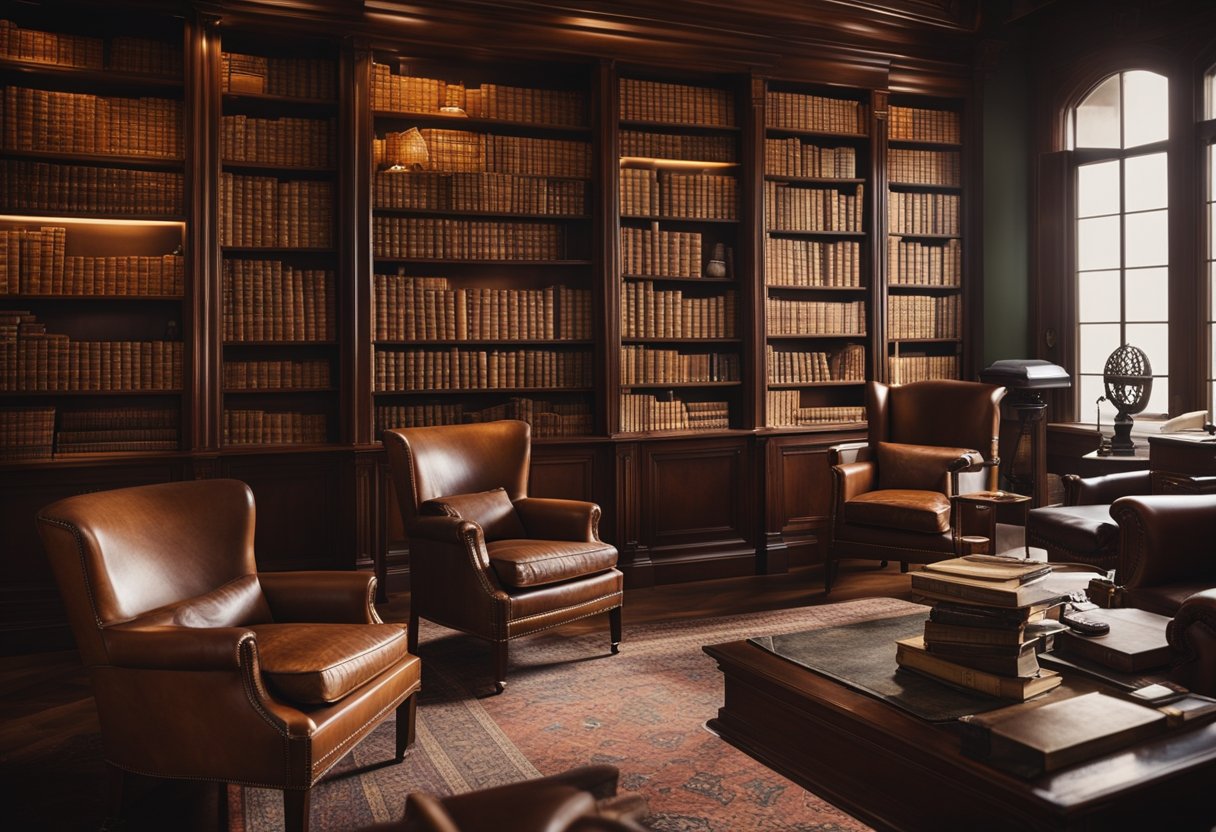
x=44, y=220
x=672, y=164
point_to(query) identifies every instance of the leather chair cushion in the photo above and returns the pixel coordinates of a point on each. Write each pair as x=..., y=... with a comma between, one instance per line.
x=525, y=563
x=316, y=664
x=1083, y=529
x=901, y=508
x=915, y=467
x=492, y=510
x=1163, y=600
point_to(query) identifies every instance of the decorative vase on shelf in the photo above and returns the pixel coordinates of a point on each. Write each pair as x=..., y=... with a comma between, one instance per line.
x=716, y=267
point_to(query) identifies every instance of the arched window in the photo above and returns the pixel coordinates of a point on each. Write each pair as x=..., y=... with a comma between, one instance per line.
x=1118, y=135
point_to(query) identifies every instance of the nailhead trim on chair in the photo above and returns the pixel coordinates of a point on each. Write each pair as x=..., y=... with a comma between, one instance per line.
x=75, y=532
x=620, y=595
x=1131, y=548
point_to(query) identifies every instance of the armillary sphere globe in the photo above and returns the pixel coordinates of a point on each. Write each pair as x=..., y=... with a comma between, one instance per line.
x=1129, y=379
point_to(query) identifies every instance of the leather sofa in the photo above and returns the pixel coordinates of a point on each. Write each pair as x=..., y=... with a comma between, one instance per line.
x=1083, y=530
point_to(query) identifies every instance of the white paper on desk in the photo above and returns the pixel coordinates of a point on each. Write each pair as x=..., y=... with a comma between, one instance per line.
x=1194, y=420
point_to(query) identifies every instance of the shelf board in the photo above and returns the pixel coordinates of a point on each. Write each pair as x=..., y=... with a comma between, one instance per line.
x=681, y=340
x=924, y=340
x=108, y=77
x=456, y=342
x=815, y=180
x=814, y=233
x=729, y=281
x=277, y=390
x=817, y=288
x=440, y=261
x=454, y=119
x=825, y=427
x=428, y=212
x=280, y=343
x=913, y=288
x=905, y=234
x=659, y=163
x=667, y=434
x=664, y=385
x=925, y=143
x=815, y=335
x=37, y=297
x=233, y=164
x=642, y=124
x=658, y=218
x=242, y=448
x=75, y=460
x=35, y=213
x=467, y=391
x=10, y=394
x=100, y=159
x=804, y=385
x=276, y=250
x=803, y=131
x=268, y=98
x=925, y=186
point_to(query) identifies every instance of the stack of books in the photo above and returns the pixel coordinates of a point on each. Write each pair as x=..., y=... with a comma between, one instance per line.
x=981, y=633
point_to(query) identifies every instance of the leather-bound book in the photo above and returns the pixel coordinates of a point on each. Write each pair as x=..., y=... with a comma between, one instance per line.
x=1136, y=640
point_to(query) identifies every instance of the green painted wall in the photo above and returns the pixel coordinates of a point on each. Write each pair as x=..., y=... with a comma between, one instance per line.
x=1005, y=210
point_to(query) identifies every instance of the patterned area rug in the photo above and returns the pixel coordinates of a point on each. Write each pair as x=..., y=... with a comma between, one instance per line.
x=569, y=703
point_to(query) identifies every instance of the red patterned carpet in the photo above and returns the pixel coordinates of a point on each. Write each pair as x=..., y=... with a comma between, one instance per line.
x=568, y=703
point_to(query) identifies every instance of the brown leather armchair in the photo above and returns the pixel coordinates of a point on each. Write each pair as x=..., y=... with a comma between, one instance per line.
x=1166, y=552
x=927, y=441
x=1192, y=635
x=485, y=558
x=204, y=669
x=1082, y=530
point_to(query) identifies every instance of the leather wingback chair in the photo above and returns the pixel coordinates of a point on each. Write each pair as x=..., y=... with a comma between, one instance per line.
x=203, y=668
x=485, y=558
x=1192, y=635
x=891, y=495
x=1166, y=550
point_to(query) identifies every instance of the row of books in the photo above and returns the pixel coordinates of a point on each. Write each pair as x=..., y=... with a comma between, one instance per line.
x=305, y=142
x=33, y=262
x=915, y=263
x=276, y=375
x=268, y=300
x=26, y=433
x=647, y=312
x=449, y=239
x=793, y=157
x=42, y=186
x=675, y=103
x=645, y=412
x=547, y=418
x=428, y=308
x=917, y=124
x=462, y=369
x=923, y=316
x=792, y=208
x=799, y=367
x=651, y=251
x=55, y=363
x=783, y=409
x=412, y=94
x=294, y=77
x=924, y=167
x=261, y=427
x=68, y=122
x=646, y=365
x=670, y=146
x=799, y=111
x=905, y=369
x=97, y=431
x=505, y=193
x=263, y=211
x=463, y=151
x=912, y=213
x=649, y=193
x=790, y=262
x=125, y=54
x=815, y=317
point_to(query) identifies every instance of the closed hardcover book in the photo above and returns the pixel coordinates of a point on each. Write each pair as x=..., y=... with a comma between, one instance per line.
x=1136, y=640
x=939, y=632
x=911, y=654
x=1034, y=740
x=990, y=568
x=1005, y=660
x=1006, y=594
x=996, y=618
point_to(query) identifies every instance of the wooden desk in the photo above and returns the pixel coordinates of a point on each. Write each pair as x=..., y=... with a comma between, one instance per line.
x=895, y=771
x=1182, y=463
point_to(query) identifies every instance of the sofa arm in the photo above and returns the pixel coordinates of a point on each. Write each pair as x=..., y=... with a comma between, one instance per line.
x=320, y=597
x=551, y=519
x=1164, y=539
x=176, y=648
x=1192, y=635
x=1093, y=491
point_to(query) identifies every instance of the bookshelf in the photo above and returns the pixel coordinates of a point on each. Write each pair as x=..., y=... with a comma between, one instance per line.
x=482, y=238
x=94, y=312
x=924, y=250
x=277, y=196
x=679, y=209
x=816, y=243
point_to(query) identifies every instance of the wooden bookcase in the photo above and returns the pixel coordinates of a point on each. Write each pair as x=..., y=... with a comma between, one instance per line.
x=278, y=193
x=680, y=212
x=818, y=280
x=95, y=330
x=483, y=303
x=924, y=256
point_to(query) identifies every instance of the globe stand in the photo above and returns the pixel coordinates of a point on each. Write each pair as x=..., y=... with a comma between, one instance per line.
x=1121, y=443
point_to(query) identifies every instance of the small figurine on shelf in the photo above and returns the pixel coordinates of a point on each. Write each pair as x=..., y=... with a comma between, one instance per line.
x=1104, y=448
x=716, y=267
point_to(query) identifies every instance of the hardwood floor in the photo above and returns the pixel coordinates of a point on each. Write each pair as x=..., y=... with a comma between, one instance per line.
x=50, y=745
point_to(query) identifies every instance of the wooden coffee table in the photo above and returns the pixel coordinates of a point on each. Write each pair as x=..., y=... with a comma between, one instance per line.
x=896, y=771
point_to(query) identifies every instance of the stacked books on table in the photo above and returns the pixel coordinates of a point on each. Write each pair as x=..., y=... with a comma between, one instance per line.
x=983, y=629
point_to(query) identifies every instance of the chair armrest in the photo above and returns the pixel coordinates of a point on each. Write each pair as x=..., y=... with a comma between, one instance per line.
x=320, y=597
x=176, y=648
x=855, y=478
x=551, y=519
x=1092, y=491
x=847, y=452
x=1164, y=538
x=442, y=529
x=1192, y=635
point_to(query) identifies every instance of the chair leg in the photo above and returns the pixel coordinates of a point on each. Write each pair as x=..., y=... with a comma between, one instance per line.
x=411, y=637
x=296, y=803
x=614, y=628
x=501, y=656
x=406, y=713
x=903, y=566
x=829, y=575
